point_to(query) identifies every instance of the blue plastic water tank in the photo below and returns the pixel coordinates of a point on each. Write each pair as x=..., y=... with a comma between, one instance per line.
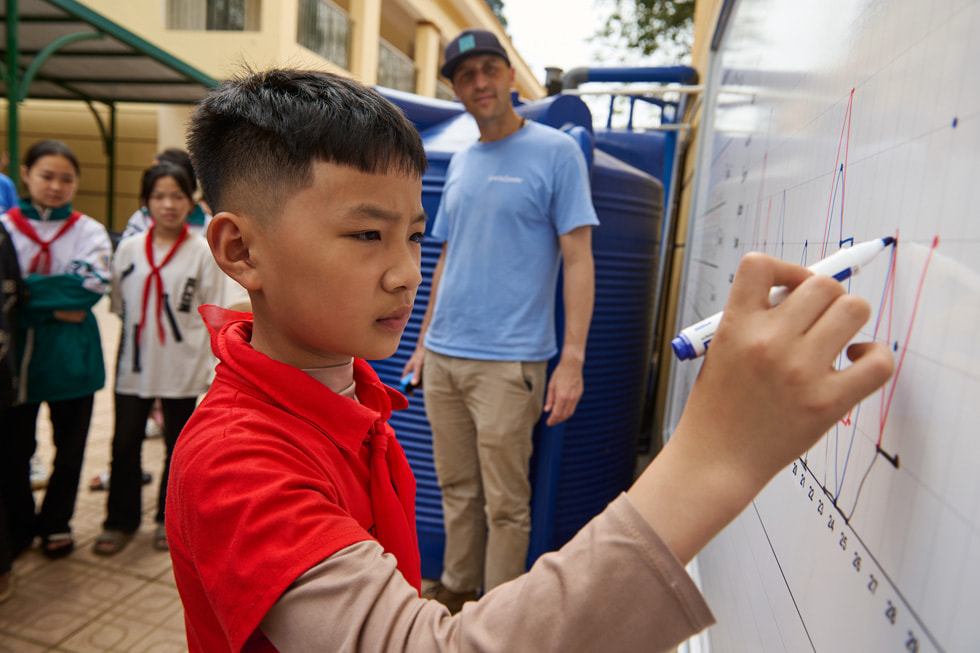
x=581, y=465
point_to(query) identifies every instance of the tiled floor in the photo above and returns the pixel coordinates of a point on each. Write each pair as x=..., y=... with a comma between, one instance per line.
x=86, y=603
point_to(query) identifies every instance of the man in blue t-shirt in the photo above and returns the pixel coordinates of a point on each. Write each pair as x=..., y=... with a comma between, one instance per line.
x=516, y=206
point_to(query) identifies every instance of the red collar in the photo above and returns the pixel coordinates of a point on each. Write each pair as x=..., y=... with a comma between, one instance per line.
x=295, y=390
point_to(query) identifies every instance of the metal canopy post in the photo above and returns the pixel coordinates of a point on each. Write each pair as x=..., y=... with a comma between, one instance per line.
x=13, y=126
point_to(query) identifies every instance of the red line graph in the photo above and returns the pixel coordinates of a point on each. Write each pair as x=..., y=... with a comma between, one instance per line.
x=890, y=293
x=843, y=144
x=885, y=316
x=888, y=392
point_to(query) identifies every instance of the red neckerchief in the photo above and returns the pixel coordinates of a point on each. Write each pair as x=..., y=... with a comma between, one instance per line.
x=41, y=263
x=392, y=483
x=154, y=279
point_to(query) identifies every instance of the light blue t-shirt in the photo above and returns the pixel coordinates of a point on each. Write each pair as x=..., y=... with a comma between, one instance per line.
x=8, y=193
x=504, y=205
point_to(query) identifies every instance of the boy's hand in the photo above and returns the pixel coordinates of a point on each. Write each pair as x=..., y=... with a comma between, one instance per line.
x=766, y=392
x=768, y=388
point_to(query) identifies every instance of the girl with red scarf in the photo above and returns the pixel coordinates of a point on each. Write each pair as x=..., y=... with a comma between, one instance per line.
x=159, y=279
x=64, y=258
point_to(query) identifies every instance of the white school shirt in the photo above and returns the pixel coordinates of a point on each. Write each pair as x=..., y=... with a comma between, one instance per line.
x=83, y=251
x=183, y=365
x=140, y=222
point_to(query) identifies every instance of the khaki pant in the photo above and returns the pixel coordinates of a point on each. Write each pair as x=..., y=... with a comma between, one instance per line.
x=482, y=415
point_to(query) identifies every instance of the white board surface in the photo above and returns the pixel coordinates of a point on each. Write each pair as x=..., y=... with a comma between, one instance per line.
x=828, y=123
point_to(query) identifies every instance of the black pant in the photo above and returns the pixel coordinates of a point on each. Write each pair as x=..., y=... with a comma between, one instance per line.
x=69, y=421
x=6, y=554
x=125, y=503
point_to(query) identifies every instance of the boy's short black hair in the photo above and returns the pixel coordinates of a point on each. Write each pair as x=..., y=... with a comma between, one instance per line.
x=253, y=140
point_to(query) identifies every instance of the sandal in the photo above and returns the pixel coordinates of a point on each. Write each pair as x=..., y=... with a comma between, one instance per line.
x=160, y=538
x=111, y=542
x=57, y=545
x=6, y=586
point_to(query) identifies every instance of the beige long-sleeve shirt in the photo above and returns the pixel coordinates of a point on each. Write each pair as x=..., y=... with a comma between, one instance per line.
x=614, y=587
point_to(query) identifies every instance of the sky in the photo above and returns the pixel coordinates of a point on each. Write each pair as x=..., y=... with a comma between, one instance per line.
x=554, y=32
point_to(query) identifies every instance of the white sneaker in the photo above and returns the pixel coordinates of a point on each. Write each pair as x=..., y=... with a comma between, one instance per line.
x=153, y=429
x=39, y=475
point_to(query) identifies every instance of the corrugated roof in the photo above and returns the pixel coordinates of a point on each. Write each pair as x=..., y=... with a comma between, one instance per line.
x=70, y=52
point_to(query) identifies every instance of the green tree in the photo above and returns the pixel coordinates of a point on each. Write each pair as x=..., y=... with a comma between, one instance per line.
x=497, y=7
x=650, y=25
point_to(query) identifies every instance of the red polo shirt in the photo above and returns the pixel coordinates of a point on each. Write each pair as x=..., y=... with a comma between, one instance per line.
x=274, y=473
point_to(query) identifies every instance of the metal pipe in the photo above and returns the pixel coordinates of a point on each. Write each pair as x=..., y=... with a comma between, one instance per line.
x=662, y=74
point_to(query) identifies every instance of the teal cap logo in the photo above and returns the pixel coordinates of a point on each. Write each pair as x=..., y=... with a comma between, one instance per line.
x=467, y=42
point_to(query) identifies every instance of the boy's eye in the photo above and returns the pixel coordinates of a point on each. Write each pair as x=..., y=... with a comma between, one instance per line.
x=368, y=235
x=418, y=237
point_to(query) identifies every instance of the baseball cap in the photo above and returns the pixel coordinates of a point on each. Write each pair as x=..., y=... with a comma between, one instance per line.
x=471, y=42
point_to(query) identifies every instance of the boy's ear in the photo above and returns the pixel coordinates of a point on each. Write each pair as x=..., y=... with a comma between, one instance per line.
x=229, y=235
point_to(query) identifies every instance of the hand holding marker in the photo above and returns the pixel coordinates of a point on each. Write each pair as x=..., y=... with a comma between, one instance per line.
x=693, y=341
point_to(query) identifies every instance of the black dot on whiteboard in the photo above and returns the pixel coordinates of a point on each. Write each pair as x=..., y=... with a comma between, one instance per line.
x=955, y=122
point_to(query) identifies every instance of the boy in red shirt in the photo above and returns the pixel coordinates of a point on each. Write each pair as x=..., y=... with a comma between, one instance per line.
x=290, y=510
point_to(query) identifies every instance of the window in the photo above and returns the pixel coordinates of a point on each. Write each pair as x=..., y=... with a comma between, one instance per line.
x=215, y=15
x=324, y=28
x=395, y=69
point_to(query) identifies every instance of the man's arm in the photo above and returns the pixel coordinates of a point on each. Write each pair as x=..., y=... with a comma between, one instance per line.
x=415, y=362
x=578, y=292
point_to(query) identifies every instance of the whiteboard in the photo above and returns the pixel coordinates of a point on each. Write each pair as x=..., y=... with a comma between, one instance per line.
x=828, y=122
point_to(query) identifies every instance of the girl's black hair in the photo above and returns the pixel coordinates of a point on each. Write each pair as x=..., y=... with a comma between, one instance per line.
x=165, y=169
x=48, y=148
x=181, y=158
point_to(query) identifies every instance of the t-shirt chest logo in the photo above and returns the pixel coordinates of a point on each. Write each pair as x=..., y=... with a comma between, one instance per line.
x=504, y=179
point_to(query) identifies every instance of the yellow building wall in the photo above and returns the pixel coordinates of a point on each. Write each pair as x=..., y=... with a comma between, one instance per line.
x=75, y=125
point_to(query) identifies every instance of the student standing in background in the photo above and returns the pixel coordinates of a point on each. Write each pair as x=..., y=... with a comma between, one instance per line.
x=159, y=279
x=64, y=256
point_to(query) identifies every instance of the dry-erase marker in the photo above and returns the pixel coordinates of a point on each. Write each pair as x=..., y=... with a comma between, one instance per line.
x=693, y=341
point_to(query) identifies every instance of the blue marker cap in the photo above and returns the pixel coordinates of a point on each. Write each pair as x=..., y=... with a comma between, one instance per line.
x=404, y=383
x=682, y=348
